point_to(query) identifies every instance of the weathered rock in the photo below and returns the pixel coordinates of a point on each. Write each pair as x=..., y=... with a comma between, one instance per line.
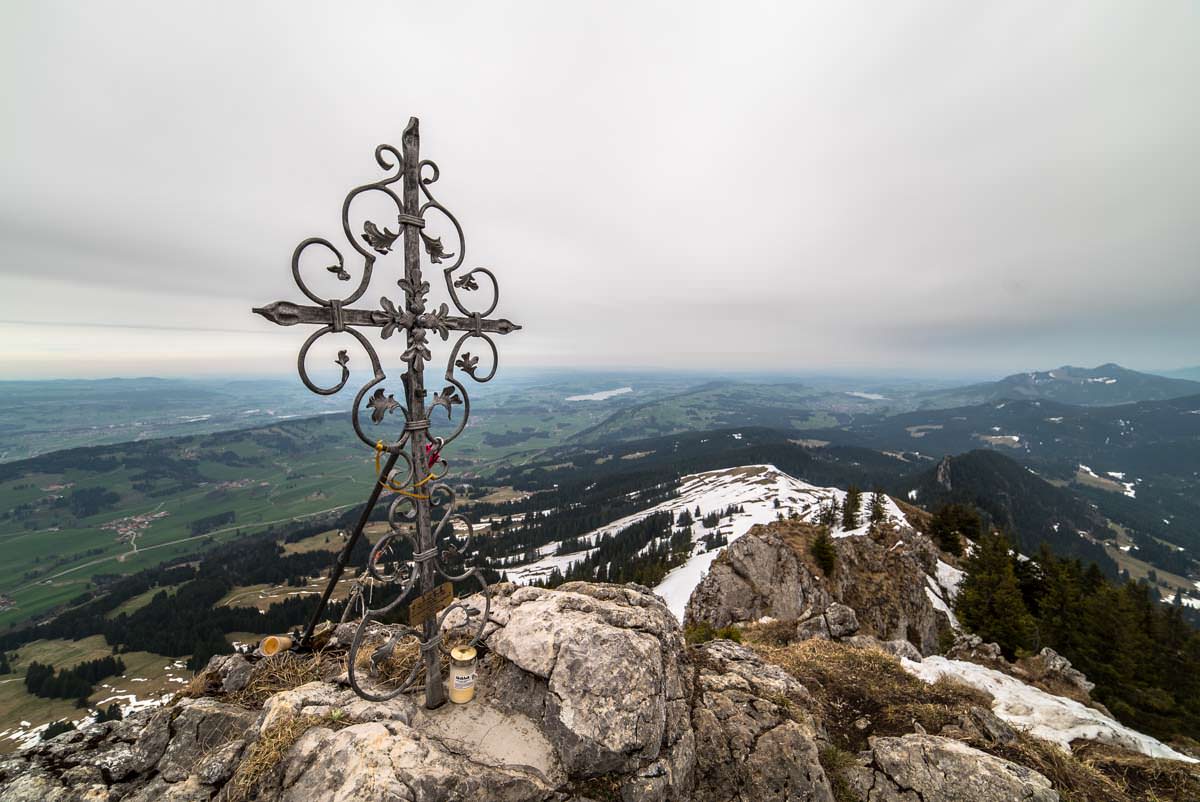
x=981, y=724
x=929, y=768
x=897, y=648
x=754, y=740
x=34, y=785
x=841, y=620
x=200, y=727
x=153, y=742
x=901, y=648
x=973, y=649
x=814, y=627
x=603, y=679
x=159, y=790
x=757, y=575
x=584, y=691
x=391, y=761
x=881, y=580
x=231, y=671
x=218, y=765
x=835, y=621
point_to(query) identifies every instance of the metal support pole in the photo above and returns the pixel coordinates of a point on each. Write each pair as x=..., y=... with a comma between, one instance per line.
x=344, y=556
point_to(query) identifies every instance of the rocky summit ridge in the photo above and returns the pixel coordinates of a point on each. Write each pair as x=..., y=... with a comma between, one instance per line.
x=593, y=692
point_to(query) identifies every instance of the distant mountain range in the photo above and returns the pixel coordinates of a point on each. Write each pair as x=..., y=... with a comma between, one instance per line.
x=1192, y=374
x=1105, y=385
x=1018, y=500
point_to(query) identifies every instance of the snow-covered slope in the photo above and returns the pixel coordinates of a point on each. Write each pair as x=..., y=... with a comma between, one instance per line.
x=753, y=488
x=1041, y=714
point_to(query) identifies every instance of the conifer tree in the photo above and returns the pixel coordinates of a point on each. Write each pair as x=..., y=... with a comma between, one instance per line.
x=951, y=523
x=851, y=508
x=989, y=599
x=877, y=508
x=823, y=552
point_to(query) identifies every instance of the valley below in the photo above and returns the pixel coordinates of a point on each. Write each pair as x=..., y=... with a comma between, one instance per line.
x=221, y=538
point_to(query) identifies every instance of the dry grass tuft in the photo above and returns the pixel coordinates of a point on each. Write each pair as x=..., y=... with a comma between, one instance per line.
x=1142, y=778
x=863, y=692
x=397, y=667
x=282, y=672
x=771, y=633
x=835, y=762
x=1075, y=780
x=265, y=754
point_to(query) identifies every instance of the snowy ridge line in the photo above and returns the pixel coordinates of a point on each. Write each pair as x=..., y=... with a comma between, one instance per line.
x=754, y=488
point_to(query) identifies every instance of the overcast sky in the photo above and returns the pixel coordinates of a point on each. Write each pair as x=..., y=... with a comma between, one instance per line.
x=924, y=187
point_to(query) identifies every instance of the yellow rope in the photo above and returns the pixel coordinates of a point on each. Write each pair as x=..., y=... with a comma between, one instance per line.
x=387, y=482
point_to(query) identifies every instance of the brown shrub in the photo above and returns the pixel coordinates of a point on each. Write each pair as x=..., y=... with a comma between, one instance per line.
x=864, y=692
x=771, y=633
x=265, y=754
x=282, y=672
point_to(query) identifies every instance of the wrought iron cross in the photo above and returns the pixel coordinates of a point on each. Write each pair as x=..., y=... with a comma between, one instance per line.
x=420, y=492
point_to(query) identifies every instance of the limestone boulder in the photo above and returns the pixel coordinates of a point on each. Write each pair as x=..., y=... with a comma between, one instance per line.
x=880, y=587
x=755, y=739
x=930, y=768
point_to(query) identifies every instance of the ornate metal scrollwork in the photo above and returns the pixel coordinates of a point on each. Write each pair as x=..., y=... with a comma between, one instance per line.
x=421, y=492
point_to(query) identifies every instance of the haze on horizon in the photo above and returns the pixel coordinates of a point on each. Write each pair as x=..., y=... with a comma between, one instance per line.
x=937, y=188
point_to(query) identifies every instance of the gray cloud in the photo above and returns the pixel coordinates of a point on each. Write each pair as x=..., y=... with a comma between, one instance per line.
x=937, y=186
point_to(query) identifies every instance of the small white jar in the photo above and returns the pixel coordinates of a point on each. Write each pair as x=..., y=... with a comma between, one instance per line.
x=462, y=674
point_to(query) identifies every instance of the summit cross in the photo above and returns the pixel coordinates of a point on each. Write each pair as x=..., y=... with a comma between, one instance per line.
x=419, y=491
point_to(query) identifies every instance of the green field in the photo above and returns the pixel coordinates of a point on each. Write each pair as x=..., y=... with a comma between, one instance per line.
x=160, y=674
x=59, y=529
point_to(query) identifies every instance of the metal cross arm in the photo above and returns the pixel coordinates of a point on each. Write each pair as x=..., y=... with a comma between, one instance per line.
x=423, y=512
x=286, y=313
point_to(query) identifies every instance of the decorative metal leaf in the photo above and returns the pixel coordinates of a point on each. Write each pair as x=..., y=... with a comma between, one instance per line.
x=380, y=241
x=467, y=282
x=339, y=271
x=437, y=321
x=447, y=398
x=415, y=295
x=433, y=246
x=342, y=359
x=417, y=353
x=467, y=363
x=394, y=317
x=381, y=405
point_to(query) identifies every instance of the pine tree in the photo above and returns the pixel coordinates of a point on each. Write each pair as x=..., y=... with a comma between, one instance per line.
x=823, y=552
x=877, y=508
x=851, y=508
x=951, y=523
x=989, y=599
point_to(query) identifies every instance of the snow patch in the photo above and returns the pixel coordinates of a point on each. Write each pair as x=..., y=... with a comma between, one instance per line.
x=939, y=603
x=1043, y=715
x=949, y=578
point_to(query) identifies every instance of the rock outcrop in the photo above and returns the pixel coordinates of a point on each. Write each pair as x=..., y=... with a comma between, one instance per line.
x=753, y=740
x=881, y=580
x=929, y=768
x=585, y=687
x=586, y=692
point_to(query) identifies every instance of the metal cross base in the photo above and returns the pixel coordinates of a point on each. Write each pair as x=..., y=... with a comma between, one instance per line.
x=420, y=493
